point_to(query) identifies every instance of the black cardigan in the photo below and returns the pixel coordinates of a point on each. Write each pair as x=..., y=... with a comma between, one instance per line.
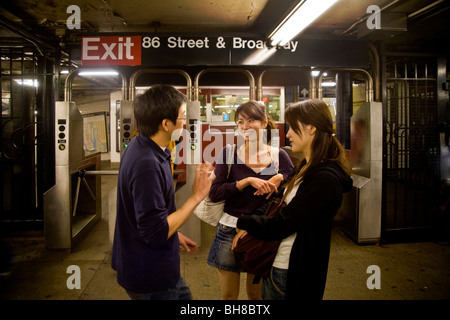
x=310, y=214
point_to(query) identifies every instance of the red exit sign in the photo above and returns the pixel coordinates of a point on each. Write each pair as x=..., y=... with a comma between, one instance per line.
x=111, y=50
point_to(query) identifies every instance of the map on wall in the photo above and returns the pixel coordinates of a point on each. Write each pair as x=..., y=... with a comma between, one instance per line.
x=95, y=134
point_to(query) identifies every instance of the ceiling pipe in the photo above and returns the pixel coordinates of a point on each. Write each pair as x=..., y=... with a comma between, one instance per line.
x=428, y=7
x=36, y=41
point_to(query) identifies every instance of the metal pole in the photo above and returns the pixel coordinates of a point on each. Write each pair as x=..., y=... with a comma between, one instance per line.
x=138, y=73
x=102, y=172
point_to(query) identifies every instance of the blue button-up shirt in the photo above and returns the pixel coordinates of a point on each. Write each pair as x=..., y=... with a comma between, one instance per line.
x=145, y=260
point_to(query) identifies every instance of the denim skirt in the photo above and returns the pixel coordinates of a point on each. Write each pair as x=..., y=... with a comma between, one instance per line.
x=220, y=254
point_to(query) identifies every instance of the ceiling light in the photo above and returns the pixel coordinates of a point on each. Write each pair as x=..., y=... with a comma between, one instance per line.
x=298, y=19
x=99, y=73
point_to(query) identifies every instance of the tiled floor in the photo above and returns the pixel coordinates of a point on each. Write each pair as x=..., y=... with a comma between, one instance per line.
x=412, y=271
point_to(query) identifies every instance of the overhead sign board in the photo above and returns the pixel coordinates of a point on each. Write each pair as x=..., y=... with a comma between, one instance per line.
x=111, y=50
x=156, y=50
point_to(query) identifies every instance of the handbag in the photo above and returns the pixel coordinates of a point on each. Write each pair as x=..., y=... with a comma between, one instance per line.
x=254, y=255
x=209, y=211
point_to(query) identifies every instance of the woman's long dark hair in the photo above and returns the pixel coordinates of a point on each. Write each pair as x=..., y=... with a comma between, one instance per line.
x=324, y=146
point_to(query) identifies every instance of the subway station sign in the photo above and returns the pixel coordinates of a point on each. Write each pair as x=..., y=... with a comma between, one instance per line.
x=156, y=50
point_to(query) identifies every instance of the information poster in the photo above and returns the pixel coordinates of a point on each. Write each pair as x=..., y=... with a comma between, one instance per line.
x=95, y=133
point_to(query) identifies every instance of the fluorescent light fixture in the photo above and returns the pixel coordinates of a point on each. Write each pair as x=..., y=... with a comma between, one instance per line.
x=329, y=84
x=99, y=73
x=304, y=13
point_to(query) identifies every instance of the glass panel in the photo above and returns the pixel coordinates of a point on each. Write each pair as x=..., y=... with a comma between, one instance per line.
x=223, y=106
x=220, y=103
x=273, y=105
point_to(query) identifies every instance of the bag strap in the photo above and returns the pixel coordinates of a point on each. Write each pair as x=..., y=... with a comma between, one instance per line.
x=230, y=156
x=283, y=197
x=274, y=204
x=275, y=156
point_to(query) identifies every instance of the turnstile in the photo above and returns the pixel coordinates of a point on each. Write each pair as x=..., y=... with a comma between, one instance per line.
x=360, y=213
x=73, y=205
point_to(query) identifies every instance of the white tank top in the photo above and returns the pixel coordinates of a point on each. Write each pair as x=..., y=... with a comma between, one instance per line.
x=284, y=251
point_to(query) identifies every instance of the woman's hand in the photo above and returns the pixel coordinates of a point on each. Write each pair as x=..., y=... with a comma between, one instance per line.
x=240, y=234
x=273, y=184
x=262, y=186
x=276, y=181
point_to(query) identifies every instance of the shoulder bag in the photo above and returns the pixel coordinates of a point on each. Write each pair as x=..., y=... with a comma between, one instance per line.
x=209, y=211
x=254, y=255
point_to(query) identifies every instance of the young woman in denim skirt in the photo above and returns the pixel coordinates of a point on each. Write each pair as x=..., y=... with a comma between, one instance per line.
x=256, y=172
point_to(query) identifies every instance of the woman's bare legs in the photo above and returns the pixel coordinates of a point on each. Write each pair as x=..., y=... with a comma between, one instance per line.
x=230, y=283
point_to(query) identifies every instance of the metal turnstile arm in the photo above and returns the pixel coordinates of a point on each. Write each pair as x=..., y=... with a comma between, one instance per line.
x=81, y=177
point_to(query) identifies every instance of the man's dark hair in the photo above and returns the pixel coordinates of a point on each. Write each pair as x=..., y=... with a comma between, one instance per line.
x=159, y=102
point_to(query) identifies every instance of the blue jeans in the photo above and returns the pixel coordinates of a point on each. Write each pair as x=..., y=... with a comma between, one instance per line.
x=180, y=292
x=274, y=286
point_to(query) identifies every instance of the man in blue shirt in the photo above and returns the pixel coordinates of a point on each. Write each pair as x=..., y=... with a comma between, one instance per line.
x=146, y=242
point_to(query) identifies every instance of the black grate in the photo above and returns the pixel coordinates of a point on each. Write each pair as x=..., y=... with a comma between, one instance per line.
x=411, y=164
x=18, y=74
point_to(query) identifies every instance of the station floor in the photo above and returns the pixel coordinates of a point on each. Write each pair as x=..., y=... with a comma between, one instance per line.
x=408, y=271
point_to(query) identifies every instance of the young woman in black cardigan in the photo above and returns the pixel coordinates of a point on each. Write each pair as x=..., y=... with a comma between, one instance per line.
x=314, y=194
